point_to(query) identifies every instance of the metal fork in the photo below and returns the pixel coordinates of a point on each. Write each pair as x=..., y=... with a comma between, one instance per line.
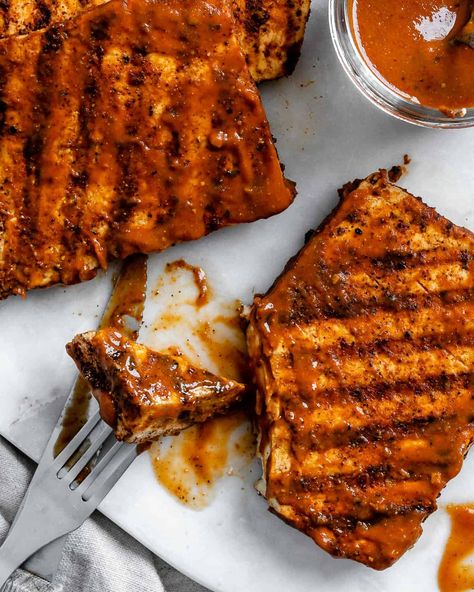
x=73, y=478
x=65, y=491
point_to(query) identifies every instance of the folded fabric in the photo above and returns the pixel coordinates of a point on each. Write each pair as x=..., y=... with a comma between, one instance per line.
x=98, y=557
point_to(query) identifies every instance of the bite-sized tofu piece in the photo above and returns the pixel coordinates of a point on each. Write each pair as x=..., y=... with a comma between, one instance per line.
x=144, y=394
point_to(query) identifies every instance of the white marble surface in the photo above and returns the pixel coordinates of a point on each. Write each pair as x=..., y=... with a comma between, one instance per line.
x=327, y=134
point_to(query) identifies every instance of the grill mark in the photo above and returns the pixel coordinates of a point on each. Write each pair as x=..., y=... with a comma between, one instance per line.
x=79, y=178
x=44, y=17
x=365, y=514
x=372, y=477
x=398, y=511
x=354, y=372
x=387, y=346
x=358, y=493
x=127, y=189
x=34, y=144
x=128, y=185
x=3, y=104
x=327, y=334
x=400, y=284
x=382, y=390
x=303, y=313
x=417, y=446
x=130, y=154
x=396, y=261
x=5, y=8
x=433, y=235
x=336, y=496
x=419, y=508
x=320, y=439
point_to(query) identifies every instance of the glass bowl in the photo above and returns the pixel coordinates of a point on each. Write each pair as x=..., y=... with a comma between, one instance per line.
x=373, y=88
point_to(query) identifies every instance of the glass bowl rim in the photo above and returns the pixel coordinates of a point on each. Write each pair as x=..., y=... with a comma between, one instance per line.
x=373, y=88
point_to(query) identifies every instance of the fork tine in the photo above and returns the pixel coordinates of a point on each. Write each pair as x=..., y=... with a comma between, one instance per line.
x=110, y=474
x=74, y=444
x=96, y=443
x=99, y=467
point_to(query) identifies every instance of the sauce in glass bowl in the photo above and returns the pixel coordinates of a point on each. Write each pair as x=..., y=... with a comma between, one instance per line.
x=417, y=48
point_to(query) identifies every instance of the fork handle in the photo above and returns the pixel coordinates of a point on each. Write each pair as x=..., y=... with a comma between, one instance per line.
x=17, y=547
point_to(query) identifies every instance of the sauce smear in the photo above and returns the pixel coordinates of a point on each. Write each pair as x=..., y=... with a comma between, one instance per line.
x=455, y=573
x=416, y=47
x=188, y=465
x=231, y=359
x=200, y=279
x=208, y=332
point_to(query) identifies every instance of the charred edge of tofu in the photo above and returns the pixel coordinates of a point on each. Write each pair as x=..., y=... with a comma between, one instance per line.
x=85, y=356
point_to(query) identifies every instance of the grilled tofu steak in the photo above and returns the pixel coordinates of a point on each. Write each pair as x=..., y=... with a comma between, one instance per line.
x=144, y=394
x=271, y=31
x=363, y=353
x=131, y=128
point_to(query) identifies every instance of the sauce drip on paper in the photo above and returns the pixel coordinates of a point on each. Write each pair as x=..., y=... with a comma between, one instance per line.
x=75, y=415
x=189, y=465
x=456, y=574
x=200, y=279
x=231, y=360
x=125, y=312
x=194, y=461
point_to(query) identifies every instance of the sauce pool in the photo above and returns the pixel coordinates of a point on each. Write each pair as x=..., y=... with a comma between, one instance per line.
x=189, y=465
x=209, y=334
x=412, y=46
x=456, y=573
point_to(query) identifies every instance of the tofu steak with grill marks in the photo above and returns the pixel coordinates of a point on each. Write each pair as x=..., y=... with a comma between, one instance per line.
x=363, y=352
x=128, y=129
x=270, y=32
x=144, y=394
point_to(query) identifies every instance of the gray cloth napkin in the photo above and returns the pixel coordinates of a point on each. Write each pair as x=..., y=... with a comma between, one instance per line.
x=98, y=557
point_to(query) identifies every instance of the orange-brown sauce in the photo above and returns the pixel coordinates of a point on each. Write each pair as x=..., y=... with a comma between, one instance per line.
x=455, y=573
x=228, y=355
x=227, y=351
x=189, y=465
x=412, y=45
x=231, y=360
x=200, y=279
x=125, y=308
x=75, y=415
x=125, y=312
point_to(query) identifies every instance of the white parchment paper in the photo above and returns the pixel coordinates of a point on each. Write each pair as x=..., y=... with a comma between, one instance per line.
x=327, y=134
